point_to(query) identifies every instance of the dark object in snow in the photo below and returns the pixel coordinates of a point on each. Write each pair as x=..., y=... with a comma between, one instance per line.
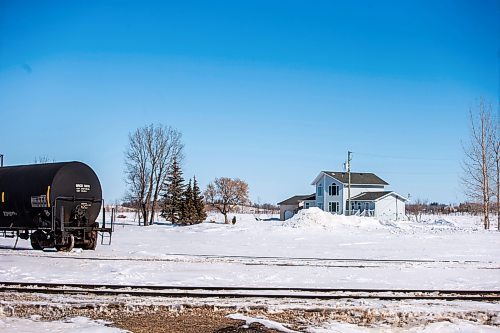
x=252, y=328
x=53, y=204
x=233, y=220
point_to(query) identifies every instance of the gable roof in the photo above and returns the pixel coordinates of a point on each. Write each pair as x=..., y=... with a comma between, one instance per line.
x=374, y=196
x=297, y=198
x=357, y=178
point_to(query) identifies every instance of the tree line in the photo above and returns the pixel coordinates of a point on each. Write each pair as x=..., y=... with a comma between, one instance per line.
x=418, y=208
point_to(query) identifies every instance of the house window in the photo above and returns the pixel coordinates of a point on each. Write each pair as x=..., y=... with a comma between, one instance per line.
x=306, y=205
x=333, y=206
x=319, y=190
x=333, y=189
x=320, y=205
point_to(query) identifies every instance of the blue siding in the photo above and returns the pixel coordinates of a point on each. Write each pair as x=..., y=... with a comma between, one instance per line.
x=323, y=199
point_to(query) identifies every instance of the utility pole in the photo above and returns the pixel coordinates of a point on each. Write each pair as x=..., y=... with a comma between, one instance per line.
x=396, y=208
x=349, y=158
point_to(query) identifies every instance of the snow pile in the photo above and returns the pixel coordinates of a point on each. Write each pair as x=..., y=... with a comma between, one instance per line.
x=440, y=223
x=315, y=217
x=265, y=322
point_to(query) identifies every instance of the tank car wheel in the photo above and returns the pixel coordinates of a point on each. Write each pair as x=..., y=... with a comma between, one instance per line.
x=68, y=246
x=93, y=241
x=35, y=244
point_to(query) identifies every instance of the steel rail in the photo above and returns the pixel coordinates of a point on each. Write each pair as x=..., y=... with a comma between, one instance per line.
x=250, y=292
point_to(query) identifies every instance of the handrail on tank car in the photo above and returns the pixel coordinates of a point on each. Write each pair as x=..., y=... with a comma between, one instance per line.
x=79, y=199
x=103, y=228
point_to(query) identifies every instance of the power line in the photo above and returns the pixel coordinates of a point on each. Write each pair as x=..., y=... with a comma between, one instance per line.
x=406, y=157
x=410, y=173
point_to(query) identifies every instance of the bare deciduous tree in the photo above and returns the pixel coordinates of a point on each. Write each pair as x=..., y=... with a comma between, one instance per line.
x=478, y=161
x=42, y=159
x=163, y=148
x=225, y=194
x=417, y=208
x=148, y=158
x=496, y=151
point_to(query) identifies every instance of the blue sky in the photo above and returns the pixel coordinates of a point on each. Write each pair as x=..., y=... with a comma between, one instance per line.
x=271, y=92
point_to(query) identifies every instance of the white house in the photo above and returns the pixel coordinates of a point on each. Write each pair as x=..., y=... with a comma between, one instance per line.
x=368, y=197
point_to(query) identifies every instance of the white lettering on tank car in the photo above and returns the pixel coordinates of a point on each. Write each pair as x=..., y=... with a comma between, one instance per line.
x=85, y=205
x=82, y=188
x=39, y=201
x=7, y=214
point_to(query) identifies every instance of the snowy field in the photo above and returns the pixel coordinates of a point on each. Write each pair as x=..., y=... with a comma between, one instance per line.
x=313, y=249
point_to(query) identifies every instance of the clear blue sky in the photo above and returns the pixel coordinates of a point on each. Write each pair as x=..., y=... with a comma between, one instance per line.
x=271, y=92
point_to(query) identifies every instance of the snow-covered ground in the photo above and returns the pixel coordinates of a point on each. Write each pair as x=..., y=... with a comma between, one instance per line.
x=313, y=249
x=85, y=325
x=74, y=325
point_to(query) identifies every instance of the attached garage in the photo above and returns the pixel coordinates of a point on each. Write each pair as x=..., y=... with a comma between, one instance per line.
x=291, y=206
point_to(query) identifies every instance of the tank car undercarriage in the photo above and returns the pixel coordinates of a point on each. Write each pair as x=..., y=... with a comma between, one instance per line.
x=80, y=238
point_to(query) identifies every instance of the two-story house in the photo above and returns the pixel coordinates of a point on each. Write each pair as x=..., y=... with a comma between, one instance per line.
x=368, y=197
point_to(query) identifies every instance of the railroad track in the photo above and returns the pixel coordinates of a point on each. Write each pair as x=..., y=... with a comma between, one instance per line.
x=269, y=260
x=249, y=292
x=171, y=256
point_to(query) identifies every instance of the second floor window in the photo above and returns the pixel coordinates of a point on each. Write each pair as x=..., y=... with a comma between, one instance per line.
x=319, y=191
x=333, y=189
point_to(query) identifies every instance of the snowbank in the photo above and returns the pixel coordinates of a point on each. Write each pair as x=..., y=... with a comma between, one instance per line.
x=315, y=217
x=265, y=322
x=440, y=222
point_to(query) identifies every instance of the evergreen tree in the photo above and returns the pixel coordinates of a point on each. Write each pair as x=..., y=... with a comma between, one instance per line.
x=199, y=204
x=188, y=208
x=174, y=194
